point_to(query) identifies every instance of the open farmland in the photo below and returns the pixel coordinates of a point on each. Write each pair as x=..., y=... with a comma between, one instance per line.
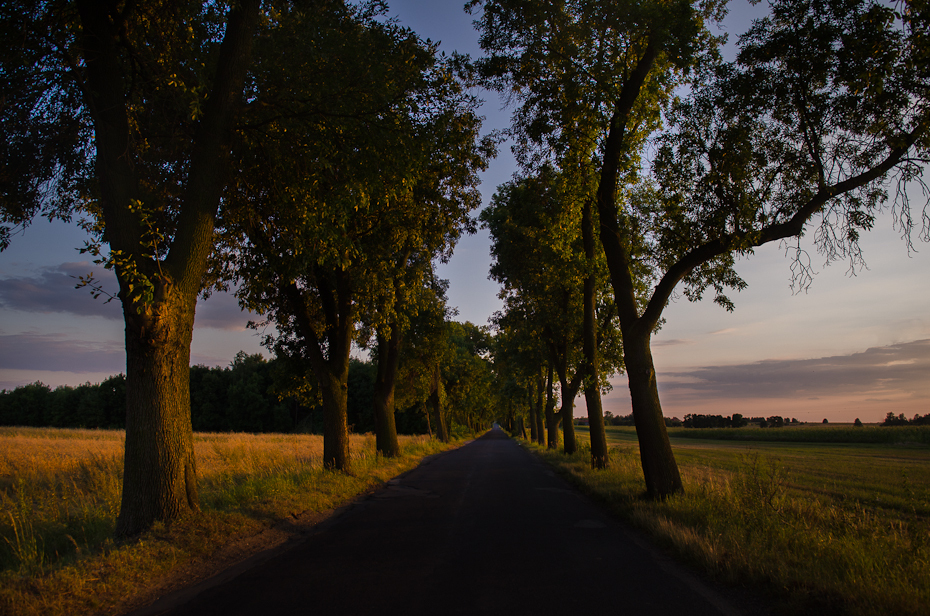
x=60, y=493
x=822, y=526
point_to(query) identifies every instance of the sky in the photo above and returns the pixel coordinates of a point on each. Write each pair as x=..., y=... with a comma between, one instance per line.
x=851, y=345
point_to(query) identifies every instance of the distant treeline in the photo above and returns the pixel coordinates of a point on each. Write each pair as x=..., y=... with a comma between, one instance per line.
x=735, y=421
x=901, y=420
x=242, y=397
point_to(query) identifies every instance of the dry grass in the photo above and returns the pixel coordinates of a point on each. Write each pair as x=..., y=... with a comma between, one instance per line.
x=60, y=493
x=823, y=528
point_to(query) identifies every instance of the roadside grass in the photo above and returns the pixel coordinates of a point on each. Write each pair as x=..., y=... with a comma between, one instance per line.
x=821, y=527
x=60, y=494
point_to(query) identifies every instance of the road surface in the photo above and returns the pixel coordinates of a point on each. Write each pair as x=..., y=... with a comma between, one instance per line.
x=484, y=529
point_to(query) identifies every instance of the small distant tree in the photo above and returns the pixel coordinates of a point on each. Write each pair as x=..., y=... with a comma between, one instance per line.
x=858, y=423
x=825, y=420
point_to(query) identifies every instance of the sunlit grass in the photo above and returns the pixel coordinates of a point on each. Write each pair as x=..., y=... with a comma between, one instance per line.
x=843, y=527
x=60, y=494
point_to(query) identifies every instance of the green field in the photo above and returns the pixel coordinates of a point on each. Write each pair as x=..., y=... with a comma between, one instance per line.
x=819, y=526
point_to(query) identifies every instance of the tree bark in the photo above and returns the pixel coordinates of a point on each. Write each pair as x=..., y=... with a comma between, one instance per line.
x=159, y=468
x=388, y=361
x=592, y=392
x=552, y=421
x=659, y=467
x=435, y=405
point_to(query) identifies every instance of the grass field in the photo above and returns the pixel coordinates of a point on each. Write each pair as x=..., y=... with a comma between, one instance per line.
x=823, y=527
x=60, y=493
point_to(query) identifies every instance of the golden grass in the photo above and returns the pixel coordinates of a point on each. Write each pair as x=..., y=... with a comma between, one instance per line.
x=60, y=494
x=819, y=527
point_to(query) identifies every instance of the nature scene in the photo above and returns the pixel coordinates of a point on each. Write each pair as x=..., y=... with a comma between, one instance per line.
x=261, y=258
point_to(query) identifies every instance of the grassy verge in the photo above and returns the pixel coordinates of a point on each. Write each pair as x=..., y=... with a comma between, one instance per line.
x=60, y=493
x=823, y=528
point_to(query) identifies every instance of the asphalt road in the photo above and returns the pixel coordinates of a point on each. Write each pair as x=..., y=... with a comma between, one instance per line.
x=483, y=529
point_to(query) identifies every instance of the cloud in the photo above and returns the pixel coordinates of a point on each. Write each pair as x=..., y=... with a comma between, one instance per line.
x=52, y=290
x=672, y=342
x=222, y=311
x=898, y=369
x=59, y=353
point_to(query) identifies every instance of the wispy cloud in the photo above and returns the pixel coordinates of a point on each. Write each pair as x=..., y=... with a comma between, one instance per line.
x=60, y=353
x=898, y=369
x=52, y=289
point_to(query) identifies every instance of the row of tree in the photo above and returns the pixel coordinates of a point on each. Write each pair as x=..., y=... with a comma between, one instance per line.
x=314, y=153
x=630, y=127
x=901, y=420
x=322, y=158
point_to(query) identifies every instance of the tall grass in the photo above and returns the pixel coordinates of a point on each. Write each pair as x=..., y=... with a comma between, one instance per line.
x=755, y=518
x=60, y=493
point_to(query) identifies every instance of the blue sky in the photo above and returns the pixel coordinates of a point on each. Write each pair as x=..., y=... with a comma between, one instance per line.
x=850, y=346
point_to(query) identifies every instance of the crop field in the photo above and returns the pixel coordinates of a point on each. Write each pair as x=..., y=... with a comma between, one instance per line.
x=821, y=526
x=60, y=494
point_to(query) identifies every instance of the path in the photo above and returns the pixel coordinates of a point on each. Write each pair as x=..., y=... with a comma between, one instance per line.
x=484, y=529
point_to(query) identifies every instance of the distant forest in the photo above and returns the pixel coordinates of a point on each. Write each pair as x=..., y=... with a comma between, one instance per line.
x=243, y=397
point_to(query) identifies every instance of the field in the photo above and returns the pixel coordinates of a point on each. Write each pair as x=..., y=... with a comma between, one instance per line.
x=822, y=527
x=60, y=493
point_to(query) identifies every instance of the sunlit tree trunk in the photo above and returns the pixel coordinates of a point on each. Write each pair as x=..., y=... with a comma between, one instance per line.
x=159, y=468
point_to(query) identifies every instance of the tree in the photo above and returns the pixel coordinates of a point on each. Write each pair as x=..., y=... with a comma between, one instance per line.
x=825, y=100
x=125, y=113
x=552, y=283
x=325, y=210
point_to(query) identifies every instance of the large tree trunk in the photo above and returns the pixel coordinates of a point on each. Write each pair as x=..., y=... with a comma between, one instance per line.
x=592, y=392
x=659, y=467
x=160, y=473
x=435, y=406
x=334, y=392
x=552, y=421
x=388, y=361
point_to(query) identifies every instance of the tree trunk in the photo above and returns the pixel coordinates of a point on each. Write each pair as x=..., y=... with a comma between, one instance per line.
x=159, y=469
x=659, y=466
x=566, y=415
x=534, y=437
x=592, y=392
x=540, y=409
x=388, y=361
x=435, y=405
x=334, y=392
x=552, y=421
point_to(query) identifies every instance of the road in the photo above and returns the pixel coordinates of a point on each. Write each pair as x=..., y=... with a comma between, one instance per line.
x=484, y=529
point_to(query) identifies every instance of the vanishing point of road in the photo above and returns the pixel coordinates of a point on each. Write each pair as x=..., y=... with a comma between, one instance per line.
x=486, y=528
